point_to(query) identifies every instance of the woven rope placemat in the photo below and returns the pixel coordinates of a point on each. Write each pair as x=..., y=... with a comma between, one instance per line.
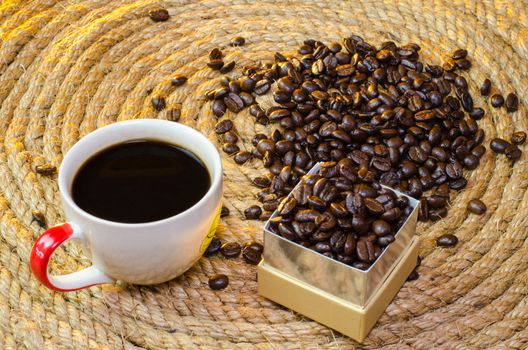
x=69, y=67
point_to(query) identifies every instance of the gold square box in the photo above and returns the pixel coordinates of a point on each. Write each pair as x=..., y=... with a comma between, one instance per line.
x=344, y=316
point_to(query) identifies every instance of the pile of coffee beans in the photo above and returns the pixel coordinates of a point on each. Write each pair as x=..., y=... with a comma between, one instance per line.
x=402, y=122
x=337, y=215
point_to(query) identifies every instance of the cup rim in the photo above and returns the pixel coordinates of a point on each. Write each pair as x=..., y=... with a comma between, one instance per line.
x=216, y=172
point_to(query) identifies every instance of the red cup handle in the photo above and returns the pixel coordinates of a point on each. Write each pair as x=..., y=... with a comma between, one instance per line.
x=42, y=251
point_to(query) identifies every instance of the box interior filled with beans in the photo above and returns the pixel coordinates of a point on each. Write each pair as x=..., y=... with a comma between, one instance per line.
x=343, y=279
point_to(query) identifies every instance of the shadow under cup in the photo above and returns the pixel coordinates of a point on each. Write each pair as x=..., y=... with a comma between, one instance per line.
x=151, y=252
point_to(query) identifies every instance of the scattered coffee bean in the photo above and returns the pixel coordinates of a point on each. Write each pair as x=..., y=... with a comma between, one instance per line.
x=513, y=152
x=214, y=247
x=174, y=114
x=46, y=169
x=242, y=157
x=158, y=103
x=178, y=80
x=230, y=148
x=476, y=206
x=238, y=41
x=497, y=100
x=223, y=126
x=261, y=181
x=413, y=275
x=485, y=88
x=459, y=54
x=253, y=212
x=215, y=54
x=230, y=137
x=512, y=102
x=218, y=282
x=228, y=67
x=230, y=249
x=39, y=218
x=215, y=64
x=518, y=137
x=159, y=15
x=219, y=108
x=252, y=253
x=498, y=145
x=446, y=240
x=224, y=212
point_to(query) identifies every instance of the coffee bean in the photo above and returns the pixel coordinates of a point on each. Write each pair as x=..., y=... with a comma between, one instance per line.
x=218, y=282
x=227, y=67
x=178, y=80
x=476, y=206
x=224, y=211
x=215, y=54
x=233, y=102
x=262, y=86
x=512, y=102
x=413, y=275
x=230, y=249
x=46, y=169
x=39, y=218
x=253, y=212
x=242, y=157
x=513, y=152
x=446, y=240
x=159, y=15
x=252, y=255
x=230, y=148
x=238, y=41
x=174, y=114
x=223, y=126
x=365, y=251
x=214, y=247
x=485, y=88
x=477, y=113
x=215, y=64
x=497, y=100
x=459, y=54
x=381, y=228
x=230, y=137
x=261, y=181
x=518, y=137
x=158, y=103
x=499, y=145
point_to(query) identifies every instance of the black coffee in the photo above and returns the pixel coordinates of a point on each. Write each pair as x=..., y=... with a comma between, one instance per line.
x=140, y=181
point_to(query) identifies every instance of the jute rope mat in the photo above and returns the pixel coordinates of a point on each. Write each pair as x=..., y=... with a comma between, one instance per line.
x=67, y=68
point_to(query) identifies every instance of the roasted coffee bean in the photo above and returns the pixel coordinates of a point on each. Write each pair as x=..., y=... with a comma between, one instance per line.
x=234, y=103
x=238, y=41
x=215, y=54
x=459, y=54
x=253, y=212
x=215, y=64
x=159, y=15
x=447, y=240
x=230, y=148
x=512, y=102
x=261, y=181
x=230, y=249
x=287, y=206
x=219, y=108
x=499, y=145
x=242, y=157
x=476, y=206
x=365, y=251
x=381, y=228
x=213, y=247
x=374, y=206
x=518, y=138
x=174, y=114
x=39, y=218
x=178, y=80
x=223, y=126
x=262, y=86
x=413, y=275
x=228, y=67
x=158, y=103
x=477, y=113
x=224, y=211
x=251, y=255
x=230, y=137
x=497, y=100
x=513, y=152
x=46, y=169
x=218, y=282
x=485, y=88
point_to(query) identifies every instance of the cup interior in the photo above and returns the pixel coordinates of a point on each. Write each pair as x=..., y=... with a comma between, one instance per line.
x=150, y=129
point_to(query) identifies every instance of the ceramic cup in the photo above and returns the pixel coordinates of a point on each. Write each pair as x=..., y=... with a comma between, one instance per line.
x=145, y=253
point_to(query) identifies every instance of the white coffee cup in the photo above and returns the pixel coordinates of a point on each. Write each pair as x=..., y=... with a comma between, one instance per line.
x=145, y=253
